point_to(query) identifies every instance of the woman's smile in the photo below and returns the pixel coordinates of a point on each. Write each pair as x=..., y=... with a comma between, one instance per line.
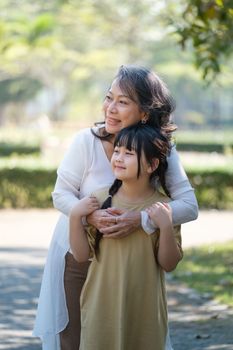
x=120, y=111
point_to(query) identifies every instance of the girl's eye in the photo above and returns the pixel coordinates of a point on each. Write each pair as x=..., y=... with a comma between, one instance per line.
x=107, y=97
x=116, y=150
x=129, y=153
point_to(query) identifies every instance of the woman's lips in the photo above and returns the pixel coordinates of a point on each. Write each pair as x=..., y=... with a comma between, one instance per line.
x=112, y=121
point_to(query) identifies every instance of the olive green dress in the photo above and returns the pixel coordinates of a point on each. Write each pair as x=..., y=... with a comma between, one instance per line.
x=123, y=301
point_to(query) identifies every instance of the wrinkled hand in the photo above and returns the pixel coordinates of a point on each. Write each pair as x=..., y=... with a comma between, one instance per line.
x=161, y=214
x=120, y=223
x=101, y=219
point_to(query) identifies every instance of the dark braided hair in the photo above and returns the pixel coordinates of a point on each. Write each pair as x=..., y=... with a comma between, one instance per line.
x=141, y=138
x=107, y=204
x=150, y=93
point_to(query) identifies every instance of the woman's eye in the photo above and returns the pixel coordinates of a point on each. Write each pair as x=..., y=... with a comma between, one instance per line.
x=129, y=153
x=107, y=97
x=123, y=102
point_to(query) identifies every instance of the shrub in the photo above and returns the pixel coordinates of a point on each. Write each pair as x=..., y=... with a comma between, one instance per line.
x=7, y=149
x=201, y=147
x=213, y=188
x=26, y=188
x=31, y=188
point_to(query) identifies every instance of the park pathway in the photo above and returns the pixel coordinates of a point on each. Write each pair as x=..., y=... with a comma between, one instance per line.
x=196, y=322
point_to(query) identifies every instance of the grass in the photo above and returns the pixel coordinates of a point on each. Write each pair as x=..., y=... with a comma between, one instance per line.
x=209, y=270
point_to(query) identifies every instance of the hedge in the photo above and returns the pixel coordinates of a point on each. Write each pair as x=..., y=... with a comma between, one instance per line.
x=31, y=188
x=202, y=147
x=7, y=149
x=26, y=188
x=213, y=188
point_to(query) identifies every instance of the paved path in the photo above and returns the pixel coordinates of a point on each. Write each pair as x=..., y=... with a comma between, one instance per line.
x=196, y=323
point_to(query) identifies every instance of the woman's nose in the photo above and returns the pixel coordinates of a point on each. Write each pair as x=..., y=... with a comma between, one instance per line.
x=112, y=106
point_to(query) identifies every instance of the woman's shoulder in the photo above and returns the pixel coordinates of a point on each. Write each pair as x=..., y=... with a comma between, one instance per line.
x=87, y=133
x=83, y=138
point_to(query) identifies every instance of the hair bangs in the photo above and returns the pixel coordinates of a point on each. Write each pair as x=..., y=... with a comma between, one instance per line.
x=127, y=84
x=131, y=140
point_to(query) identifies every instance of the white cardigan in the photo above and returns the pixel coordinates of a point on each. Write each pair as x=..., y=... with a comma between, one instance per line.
x=84, y=169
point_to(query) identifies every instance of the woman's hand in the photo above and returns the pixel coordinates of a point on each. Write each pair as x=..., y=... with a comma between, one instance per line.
x=100, y=219
x=120, y=223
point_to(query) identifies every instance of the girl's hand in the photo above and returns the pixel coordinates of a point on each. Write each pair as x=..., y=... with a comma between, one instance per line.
x=161, y=215
x=121, y=223
x=85, y=206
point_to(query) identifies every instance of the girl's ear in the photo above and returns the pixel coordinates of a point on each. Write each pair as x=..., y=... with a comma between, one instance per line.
x=152, y=167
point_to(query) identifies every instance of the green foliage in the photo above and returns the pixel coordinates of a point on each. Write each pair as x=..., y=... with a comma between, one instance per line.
x=208, y=24
x=7, y=149
x=209, y=270
x=25, y=188
x=19, y=89
x=202, y=147
x=73, y=49
x=213, y=188
x=32, y=187
x=218, y=141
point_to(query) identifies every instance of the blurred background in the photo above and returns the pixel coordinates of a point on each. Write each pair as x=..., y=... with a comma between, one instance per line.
x=58, y=59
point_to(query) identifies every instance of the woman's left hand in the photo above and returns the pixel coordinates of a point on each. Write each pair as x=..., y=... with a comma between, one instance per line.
x=123, y=223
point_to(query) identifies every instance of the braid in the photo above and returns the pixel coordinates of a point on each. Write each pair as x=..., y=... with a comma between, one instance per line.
x=106, y=204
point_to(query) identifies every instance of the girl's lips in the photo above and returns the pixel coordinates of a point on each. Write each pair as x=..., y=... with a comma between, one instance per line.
x=119, y=167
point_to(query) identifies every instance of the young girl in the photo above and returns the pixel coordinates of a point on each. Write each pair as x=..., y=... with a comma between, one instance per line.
x=123, y=301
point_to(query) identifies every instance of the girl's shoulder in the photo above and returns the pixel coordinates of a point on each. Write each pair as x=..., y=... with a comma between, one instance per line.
x=101, y=194
x=160, y=197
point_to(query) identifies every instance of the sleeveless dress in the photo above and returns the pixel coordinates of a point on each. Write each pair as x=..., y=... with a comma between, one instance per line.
x=123, y=301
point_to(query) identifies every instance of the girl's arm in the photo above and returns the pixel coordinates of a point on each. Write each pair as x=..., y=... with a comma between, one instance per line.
x=78, y=239
x=169, y=253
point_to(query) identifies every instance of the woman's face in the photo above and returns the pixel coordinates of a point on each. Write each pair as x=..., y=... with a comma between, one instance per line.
x=119, y=110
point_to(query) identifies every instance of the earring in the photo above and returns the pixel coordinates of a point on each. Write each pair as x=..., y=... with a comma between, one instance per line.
x=143, y=121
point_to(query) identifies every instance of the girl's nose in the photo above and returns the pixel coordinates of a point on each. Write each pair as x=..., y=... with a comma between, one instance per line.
x=119, y=157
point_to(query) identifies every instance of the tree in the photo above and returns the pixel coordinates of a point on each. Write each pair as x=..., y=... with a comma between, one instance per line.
x=208, y=25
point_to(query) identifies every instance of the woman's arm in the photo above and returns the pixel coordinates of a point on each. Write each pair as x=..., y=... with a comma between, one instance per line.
x=70, y=174
x=184, y=204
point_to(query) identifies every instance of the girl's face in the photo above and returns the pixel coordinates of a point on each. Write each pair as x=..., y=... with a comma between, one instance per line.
x=119, y=110
x=125, y=164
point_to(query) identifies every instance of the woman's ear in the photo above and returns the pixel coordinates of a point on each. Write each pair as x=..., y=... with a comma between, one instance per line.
x=145, y=118
x=153, y=166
